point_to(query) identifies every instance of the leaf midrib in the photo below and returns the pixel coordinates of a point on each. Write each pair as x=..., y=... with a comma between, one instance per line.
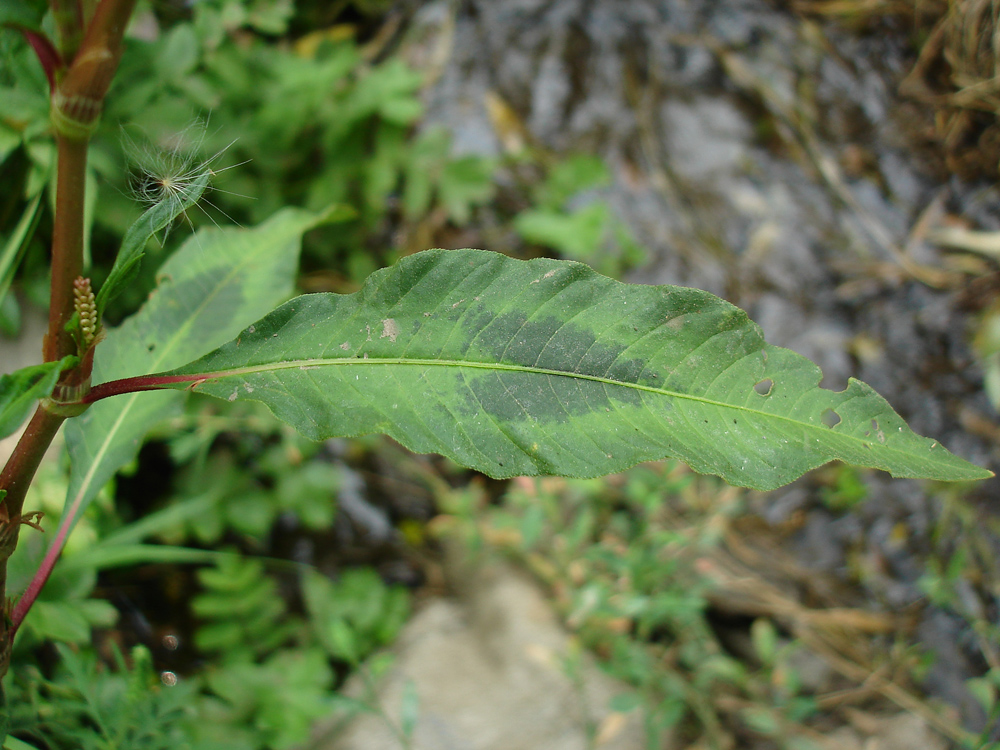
x=308, y=364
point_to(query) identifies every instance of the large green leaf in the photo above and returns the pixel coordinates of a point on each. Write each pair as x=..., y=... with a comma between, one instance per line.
x=546, y=367
x=217, y=283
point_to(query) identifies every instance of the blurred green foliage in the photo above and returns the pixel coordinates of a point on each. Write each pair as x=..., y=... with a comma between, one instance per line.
x=87, y=706
x=245, y=469
x=570, y=217
x=629, y=561
x=309, y=122
x=271, y=679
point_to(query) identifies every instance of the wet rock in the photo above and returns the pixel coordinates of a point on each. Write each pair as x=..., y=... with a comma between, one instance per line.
x=900, y=732
x=717, y=128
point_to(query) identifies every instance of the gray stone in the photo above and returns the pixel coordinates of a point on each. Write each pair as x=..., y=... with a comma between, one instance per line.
x=489, y=671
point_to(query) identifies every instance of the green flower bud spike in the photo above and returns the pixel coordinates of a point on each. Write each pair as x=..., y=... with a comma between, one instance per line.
x=86, y=308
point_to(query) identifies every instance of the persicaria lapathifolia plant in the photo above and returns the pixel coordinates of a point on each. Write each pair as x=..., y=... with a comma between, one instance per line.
x=505, y=366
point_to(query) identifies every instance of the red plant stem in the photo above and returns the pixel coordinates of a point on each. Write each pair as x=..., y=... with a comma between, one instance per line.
x=20, y=469
x=38, y=579
x=77, y=101
x=76, y=106
x=16, y=478
x=67, y=245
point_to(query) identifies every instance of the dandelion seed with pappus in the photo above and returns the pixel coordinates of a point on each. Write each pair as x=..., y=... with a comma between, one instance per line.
x=171, y=180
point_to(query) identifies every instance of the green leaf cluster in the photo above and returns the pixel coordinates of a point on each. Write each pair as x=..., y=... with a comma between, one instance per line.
x=432, y=175
x=587, y=230
x=241, y=610
x=268, y=706
x=356, y=614
x=310, y=123
x=21, y=389
x=64, y=611
x=272, y=680
x=87, y=706
x=245, y=486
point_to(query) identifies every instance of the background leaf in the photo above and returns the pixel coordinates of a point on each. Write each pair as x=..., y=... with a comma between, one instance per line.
x=545, y=367
x=27, y=13
x=212, y=287
x=17, y=243
x=21, y=389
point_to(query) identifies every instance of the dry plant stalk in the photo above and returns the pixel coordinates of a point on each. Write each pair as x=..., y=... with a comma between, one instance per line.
x=957, y=71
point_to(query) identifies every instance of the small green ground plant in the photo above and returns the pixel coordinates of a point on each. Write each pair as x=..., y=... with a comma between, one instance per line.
x=640, y=567
x=504, y=366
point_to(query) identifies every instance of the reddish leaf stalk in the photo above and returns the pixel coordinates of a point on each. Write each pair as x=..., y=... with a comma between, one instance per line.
x=15, y=478
x=143, y=383
x=47, y=55
x=38, y=580
x=77, y=100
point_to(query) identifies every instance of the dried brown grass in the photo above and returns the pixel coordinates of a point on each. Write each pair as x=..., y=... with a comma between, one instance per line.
x=956, y=73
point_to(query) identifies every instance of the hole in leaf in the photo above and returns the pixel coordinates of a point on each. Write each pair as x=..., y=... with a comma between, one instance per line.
x=830, y=418
x=763, y=388
x=874, y=424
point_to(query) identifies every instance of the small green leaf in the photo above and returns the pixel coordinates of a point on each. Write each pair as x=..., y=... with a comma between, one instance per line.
x=26, y=13
x=625, y=702
x=984, y=691
x=578, y=236
x=466, y=182
x=570, y=177
x=58, y=621
x=178, y=54
x=545, y=367
x=21, y=389
x=340, y=641
x=13, y=743
x=154, y=220
x=765, y=640
x=762, y=720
